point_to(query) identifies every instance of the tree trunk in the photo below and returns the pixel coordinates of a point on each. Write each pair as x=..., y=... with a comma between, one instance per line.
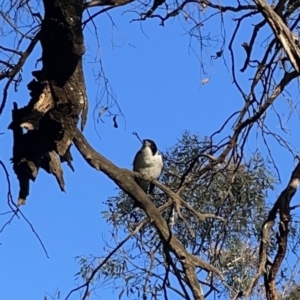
x=58, y=97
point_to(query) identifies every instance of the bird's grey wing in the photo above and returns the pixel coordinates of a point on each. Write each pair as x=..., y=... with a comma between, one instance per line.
x=136, y=167
x=136, y=160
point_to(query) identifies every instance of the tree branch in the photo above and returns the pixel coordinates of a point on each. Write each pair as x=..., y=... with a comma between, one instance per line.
x=94, y=3
x=281, y=31
x=13, y=72
x=282, y=205
x=126, y=182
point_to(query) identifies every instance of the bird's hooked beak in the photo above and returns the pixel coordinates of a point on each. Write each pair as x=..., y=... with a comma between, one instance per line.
x=146, y=143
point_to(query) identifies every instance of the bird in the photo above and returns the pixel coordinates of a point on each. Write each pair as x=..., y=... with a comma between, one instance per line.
x=148, y=161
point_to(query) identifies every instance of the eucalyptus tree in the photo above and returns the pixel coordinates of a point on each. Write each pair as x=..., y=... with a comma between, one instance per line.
x=201, y=186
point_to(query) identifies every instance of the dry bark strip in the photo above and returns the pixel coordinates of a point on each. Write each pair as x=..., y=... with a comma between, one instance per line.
x=124, y=179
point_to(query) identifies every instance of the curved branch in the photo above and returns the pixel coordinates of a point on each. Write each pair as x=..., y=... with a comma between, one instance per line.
x=282, y=205
x=24, y=55
x=127, y=183
x=96, y=270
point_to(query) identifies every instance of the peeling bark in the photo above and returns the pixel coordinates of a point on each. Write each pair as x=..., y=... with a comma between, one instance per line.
x=58, y=97
x=282, y=32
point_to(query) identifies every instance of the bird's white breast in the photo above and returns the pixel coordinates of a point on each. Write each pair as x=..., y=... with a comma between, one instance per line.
x=148, y=164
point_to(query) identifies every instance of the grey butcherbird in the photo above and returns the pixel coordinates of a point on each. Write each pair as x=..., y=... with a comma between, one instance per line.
x=148, y=161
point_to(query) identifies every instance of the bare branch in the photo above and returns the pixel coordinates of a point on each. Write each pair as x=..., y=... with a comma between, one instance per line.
x=16, y=68
x=282, y=205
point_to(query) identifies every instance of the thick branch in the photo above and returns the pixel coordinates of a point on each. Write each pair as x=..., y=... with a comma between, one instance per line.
x=127, y=183
x=282, y=32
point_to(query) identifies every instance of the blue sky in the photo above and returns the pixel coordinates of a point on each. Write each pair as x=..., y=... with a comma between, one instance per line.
x=157, y=80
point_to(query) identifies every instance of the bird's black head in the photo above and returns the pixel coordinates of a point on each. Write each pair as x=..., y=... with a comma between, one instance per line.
x=151, y=144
